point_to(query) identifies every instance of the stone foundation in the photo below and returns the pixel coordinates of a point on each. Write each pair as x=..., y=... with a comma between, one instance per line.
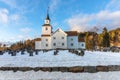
x=76, y=69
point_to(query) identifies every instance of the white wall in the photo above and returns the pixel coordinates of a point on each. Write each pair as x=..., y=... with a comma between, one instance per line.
x=46, y=40
x=48, y=31
x=82, y=45
x=58, y=39
x=37, y=45
x=72, y=40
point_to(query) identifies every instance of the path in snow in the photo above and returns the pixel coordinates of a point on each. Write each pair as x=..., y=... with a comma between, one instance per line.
x=31, y=75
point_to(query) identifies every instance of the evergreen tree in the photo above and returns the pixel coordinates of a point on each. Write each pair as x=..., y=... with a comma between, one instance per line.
x=106, y=41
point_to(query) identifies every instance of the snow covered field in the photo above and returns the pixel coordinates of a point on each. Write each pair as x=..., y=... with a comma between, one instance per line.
x=31, y=75
x=64, y=58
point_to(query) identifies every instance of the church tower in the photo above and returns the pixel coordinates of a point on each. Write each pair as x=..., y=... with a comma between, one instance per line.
x=46, y=27
x=46, y=33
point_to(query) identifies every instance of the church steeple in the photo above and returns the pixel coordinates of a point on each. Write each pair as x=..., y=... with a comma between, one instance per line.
x=47, y=17
x=46, y=27
x=47, y=20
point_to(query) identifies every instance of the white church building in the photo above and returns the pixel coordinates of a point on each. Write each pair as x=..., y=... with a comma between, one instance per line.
x=58, y=39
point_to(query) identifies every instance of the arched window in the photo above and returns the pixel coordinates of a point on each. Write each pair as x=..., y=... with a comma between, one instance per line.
x=82, y=45
x=62, y=44
x=54, y=44
x=46, y=28
x=71, y=44
x=46, y=45
x=62, y=37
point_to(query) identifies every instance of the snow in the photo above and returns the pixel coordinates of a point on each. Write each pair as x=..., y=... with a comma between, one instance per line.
x=64, y=58
x=31, y=75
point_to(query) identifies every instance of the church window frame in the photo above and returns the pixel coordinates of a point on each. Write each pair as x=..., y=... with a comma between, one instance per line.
x=54, y=37
x=62, y=37
x=46, y=28
x=46, y=39
x=63, y=44
x=54, y=44
x=72, y=44
x=71, y=39
x=82, y=45
x=46, y=45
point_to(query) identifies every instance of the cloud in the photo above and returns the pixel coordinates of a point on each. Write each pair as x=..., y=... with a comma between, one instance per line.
x=7, y=18
x=107, y=17
x=11, y=3
x=53, y=5
x=4, y=15
x=85, y=22
x=18, y=38
x=15, y=17
x=113, y=5
x=25, y=30
x=22, y=6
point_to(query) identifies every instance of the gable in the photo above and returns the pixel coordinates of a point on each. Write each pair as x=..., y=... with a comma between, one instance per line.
x=59, y=32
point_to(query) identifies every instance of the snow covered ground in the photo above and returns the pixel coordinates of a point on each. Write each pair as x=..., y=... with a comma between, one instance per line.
x=64, y=58
x=31, y=75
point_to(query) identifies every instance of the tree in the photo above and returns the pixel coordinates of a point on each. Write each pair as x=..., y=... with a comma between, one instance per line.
x=105, y=39
x=87, y=41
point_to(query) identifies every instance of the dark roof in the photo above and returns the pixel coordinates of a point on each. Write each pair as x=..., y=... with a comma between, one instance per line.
x=45, y=35
x=81, y=40
x=72, y=33
x=47, y=17
x=37, y=39
x=46, y=25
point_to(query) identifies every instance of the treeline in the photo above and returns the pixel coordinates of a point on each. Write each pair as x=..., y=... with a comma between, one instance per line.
x=21, y=45
x=102, y=40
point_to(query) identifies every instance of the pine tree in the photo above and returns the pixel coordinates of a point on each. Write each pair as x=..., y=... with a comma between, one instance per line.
x=106, y=41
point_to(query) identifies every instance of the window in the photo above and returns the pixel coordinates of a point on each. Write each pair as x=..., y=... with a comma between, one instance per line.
x=46, y=28
x=46, y=45
x=54, y=44
x=71, y=39
x=71, y=44
x=82, y=45
x=54, y=37
x=47, y=21
x=62, y=44
x=62, y=37
x=46, y=39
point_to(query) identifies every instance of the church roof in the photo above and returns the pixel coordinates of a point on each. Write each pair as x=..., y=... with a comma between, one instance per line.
x=46, y=25
x=72, y=33
x=81, y=40
x=37, y=39
x=47, y=17
x=59, y=30
x=45, y=35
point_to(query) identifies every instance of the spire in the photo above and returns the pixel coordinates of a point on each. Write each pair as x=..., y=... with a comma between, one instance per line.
x=47, y=17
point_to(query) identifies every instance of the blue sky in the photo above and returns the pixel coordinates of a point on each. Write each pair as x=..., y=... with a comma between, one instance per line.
x=22, y=19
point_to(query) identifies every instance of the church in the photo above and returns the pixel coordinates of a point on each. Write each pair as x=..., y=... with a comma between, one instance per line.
x=58, y=39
